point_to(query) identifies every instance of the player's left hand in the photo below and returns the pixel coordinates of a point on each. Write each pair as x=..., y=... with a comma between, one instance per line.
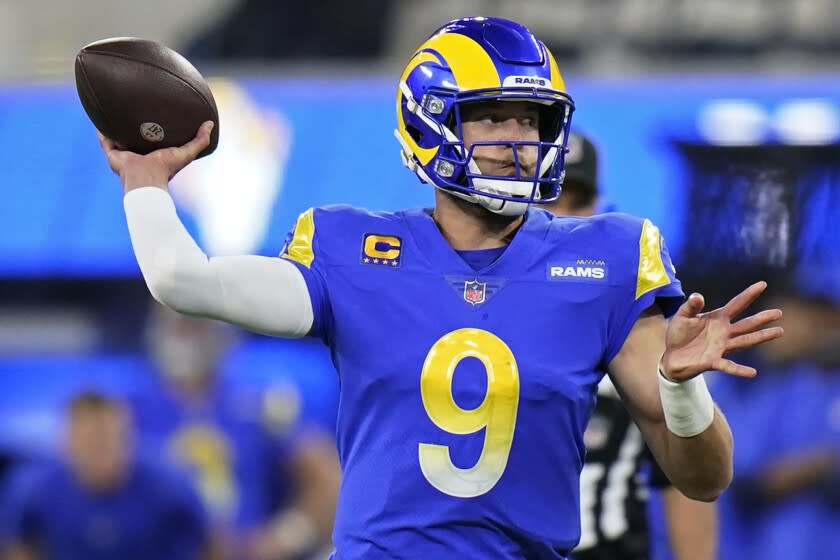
x=697, y=342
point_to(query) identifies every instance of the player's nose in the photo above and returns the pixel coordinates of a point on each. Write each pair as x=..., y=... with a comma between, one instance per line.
x=513, y=130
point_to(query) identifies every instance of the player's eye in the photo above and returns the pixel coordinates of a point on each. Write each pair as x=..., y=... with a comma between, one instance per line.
x=528, y=122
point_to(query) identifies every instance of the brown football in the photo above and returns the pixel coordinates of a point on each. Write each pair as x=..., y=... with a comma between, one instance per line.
x=143, y=95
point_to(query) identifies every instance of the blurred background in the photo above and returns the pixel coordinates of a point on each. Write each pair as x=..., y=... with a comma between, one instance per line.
x=718, y=120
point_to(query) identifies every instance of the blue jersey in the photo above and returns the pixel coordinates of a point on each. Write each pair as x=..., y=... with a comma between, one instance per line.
x=465, y=393
x=227, y=445
x=801, y=525
x=154, y=514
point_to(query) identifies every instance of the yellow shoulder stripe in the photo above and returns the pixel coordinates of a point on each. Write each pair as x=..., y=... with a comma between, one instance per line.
x=652, y=273
x=299, y=248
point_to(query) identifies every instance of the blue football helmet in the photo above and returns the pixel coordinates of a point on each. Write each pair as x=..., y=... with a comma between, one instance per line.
x=482, y=59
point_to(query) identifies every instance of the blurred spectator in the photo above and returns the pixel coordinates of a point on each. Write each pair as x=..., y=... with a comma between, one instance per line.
x=268, y=477
x=272, y=30
x=619, y=468
x=99, y=502
x=785, y=500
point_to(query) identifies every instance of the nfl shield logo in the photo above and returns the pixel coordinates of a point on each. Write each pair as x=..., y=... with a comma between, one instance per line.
x=474, y=292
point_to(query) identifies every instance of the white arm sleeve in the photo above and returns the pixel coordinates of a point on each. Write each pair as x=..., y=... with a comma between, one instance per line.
x=262, y=294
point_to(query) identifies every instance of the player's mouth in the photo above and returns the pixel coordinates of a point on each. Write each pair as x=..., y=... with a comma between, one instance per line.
x=505, y=168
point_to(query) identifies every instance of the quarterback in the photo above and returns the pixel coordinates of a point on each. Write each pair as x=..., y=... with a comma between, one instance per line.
x=469, y=338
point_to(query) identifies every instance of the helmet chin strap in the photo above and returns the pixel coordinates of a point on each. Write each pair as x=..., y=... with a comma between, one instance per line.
x=501, y=207
x=506, y=188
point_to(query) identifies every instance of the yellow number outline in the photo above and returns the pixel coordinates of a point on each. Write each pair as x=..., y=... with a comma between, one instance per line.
x=207, y=452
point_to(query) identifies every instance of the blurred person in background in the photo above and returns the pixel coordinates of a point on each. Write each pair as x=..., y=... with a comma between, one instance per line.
x=619, y=467
x=99, y=502
x=785, y=498
x=267, y=476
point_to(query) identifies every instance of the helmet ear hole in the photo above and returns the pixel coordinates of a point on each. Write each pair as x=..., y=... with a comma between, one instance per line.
x=414, y=132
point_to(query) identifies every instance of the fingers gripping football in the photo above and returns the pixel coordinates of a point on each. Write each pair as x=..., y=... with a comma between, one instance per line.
x=158, y=167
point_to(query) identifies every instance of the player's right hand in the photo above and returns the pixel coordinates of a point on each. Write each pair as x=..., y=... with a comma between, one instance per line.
x=158, y=167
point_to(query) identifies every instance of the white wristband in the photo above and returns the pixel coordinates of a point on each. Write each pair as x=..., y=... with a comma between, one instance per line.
x=689, y=408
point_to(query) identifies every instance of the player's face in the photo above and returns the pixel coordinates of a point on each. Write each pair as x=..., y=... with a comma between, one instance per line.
x=186, y=349
x=502, y=121
x=98, y=443
x=810, y=330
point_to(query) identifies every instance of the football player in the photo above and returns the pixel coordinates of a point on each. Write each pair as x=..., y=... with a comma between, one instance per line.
x=470, y=338
x=613, y=483
x=99, y=499
x=267, y=478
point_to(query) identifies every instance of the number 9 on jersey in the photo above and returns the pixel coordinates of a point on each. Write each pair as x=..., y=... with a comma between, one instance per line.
x=496, y=414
